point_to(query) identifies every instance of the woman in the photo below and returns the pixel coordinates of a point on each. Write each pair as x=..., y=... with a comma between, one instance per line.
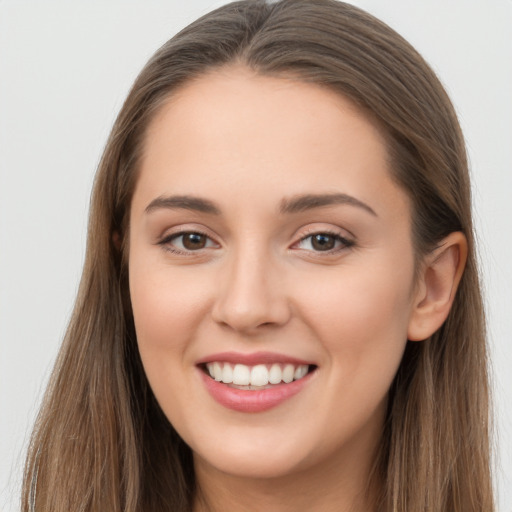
x=280, y=306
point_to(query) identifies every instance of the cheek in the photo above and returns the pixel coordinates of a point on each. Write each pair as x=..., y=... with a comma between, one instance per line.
x=166, y=309
x=166, y=314
x=361, y=318
x=166, y=306
x=361, y=323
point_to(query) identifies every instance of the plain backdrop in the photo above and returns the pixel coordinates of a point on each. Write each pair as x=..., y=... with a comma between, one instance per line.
x=65, y=68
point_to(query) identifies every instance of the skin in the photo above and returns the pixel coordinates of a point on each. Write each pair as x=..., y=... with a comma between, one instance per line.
x=247, y=143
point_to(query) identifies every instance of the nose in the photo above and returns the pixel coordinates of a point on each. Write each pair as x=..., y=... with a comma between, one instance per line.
x=251, y=294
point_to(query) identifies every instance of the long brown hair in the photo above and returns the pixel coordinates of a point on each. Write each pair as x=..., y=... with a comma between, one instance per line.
x=101, y=441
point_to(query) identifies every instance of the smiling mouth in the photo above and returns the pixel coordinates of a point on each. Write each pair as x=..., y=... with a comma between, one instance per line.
x=256, y=377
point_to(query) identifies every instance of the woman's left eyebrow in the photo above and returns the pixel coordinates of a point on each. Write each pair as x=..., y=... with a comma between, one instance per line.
x=305, y=202
x=184, y=203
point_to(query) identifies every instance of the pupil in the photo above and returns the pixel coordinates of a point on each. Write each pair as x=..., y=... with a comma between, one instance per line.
x=323, y=242
x=194, y=241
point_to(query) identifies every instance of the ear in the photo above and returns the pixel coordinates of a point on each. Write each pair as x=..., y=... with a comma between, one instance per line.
x=437, y=284
x=116, y=239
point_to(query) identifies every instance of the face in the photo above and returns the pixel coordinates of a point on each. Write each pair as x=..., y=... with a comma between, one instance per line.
x=271, y=273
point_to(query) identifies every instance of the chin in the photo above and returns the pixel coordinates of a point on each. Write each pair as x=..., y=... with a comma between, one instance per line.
x=251, y=463
x=251, y=451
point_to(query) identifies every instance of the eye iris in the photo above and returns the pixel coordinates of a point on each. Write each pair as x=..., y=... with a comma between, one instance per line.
x=323, y=242
x=193, y=241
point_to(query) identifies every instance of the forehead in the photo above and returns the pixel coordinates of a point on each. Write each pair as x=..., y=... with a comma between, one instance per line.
x=243, y=103
x=237, y=133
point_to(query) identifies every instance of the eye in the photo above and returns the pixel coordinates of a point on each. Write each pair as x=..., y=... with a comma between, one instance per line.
x=187, y=241
x=324, y=242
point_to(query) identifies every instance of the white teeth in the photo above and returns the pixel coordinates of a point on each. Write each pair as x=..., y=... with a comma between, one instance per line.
x=300, y=372
x=259, y=375
x=288, y=372
x=275, y=375
x=227, y=374
x=217, y=371
x=241, y=375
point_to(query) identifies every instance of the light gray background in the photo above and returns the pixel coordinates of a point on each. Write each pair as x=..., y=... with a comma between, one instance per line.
x=65, y=68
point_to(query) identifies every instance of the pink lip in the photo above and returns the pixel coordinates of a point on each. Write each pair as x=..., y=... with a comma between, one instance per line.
x=252, y=401
x=251, y=359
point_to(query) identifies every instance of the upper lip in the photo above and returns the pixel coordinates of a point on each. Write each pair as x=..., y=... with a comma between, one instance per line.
x=251, y=359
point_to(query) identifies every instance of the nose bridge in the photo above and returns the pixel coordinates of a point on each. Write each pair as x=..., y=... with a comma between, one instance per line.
x=250, y=291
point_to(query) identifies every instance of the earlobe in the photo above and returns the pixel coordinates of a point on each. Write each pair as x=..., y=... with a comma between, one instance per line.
x=440, y=276
x=116, y=239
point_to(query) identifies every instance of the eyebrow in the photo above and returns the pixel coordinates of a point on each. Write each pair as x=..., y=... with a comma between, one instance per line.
x=295, y=204
x=306, y=202
x=184, y=203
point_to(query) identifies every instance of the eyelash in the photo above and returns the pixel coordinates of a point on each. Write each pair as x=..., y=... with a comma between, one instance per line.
x=166, y=242
x=345, y=243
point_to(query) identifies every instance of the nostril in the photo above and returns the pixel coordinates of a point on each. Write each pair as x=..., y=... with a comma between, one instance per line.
x=249, y=300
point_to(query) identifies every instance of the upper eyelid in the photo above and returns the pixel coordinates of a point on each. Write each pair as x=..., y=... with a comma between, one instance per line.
x=177, y=234
x=331, y=232
x=345, y=237
x=345, y=241
x=306, y=231
x=171, y=236
x=180, y=229
x=166, y=244
x=300, y=234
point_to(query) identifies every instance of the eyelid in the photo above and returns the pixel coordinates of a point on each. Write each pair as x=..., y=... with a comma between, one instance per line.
x=181, y=230
x=319, y=227
x=338, y=233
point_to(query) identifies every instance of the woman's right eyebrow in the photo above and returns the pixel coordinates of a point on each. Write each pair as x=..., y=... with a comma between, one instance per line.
x=186, y=202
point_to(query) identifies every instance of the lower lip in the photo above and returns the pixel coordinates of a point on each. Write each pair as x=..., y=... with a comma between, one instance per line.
x=242, y=400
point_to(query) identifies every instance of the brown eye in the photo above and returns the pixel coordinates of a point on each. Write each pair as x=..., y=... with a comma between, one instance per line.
x=187, y=242
x=194, y=241
x=323, y=242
